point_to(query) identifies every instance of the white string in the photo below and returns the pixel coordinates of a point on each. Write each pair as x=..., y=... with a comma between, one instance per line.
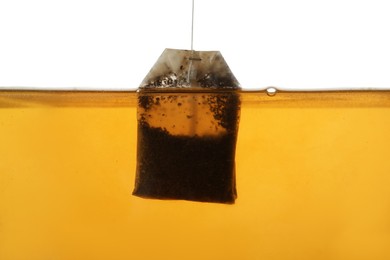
x=192, y=43
x=192, y=26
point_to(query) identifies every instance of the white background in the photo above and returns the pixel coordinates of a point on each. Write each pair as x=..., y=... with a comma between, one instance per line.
x=112, y=44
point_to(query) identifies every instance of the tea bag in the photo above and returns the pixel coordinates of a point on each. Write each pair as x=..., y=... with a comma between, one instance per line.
x=188, y=114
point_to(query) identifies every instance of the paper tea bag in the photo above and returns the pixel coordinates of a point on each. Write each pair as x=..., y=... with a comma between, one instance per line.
x=188, y=114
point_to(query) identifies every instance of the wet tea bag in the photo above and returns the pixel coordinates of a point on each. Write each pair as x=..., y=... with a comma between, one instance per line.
x=188, y=114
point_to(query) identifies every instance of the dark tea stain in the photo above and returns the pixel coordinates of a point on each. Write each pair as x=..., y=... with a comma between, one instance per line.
x=186, y=168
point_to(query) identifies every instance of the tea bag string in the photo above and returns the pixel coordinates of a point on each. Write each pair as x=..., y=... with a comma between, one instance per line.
x=192, y=43
x=192, y=26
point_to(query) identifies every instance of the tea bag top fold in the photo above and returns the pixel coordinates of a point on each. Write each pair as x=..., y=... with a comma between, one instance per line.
x=191, y=70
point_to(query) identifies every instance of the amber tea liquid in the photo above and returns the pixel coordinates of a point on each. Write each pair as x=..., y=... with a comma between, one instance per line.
x=312, y=181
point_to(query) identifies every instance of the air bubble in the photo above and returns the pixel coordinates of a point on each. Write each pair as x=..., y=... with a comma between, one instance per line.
x=271, y=91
